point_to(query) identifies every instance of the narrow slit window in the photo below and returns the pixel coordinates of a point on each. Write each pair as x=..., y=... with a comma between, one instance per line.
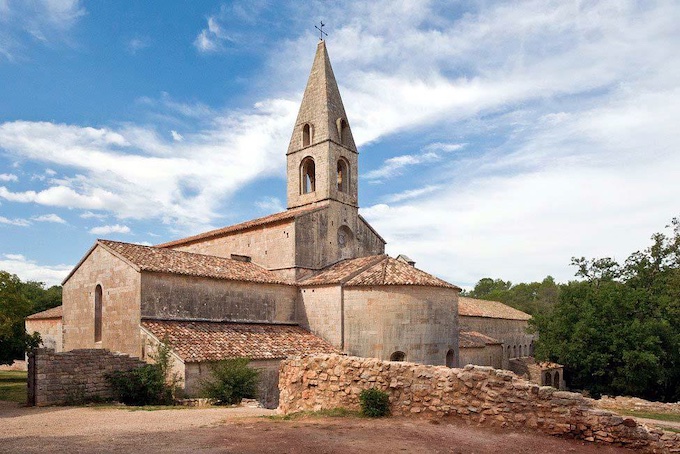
x=98, y=313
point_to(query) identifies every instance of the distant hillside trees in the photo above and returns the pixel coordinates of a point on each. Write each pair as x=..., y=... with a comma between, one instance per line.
x=17, y=300
x=616, y=329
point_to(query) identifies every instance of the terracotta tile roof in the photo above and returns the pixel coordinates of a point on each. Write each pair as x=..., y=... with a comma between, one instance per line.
x=471, y=339
x=493, y=309
x=391, y=271
x=214, y=341
x=342, y=271
x=149, y=258
x=271, y=219
x=375, y=270
x=55, y=312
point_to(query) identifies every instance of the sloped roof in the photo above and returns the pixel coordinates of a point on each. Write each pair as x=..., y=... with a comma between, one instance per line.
x=149, y=258
x=375, y=270
x=55, y=312
x=474, y=307
x=214, y=341
x=471, y=339
x=271, y=219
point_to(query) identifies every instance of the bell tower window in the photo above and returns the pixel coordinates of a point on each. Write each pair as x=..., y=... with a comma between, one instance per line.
x=307, y=176
x=343, y=131
x=343, y=176
x=307, y=135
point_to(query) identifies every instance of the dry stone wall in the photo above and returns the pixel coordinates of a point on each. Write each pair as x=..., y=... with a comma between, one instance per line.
x=73, y=377
x=476, y=394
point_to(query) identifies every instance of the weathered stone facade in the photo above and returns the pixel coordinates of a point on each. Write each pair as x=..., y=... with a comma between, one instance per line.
x=50, y=330
x=477, y=394
x=73, y=377
x=517, y=342
x=121, y=286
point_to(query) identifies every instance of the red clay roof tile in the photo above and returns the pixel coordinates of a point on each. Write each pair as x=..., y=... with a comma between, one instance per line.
x=149, y=258
x=474, y=307
x=55, y=312
x=214, y=341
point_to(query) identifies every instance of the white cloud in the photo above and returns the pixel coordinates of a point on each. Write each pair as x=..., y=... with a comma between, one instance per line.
x=29, y=270
x=8, y=177
x=213, y=37
x=394, y=166
x=16, y=222
x=91, y=215
x=270, y=204
x=108, y=229
x=133, y=173
x=136, y=44
x=49, y=218
x=177, y=137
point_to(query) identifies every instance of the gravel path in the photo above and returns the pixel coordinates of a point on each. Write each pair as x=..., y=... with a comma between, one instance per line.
x=243, y=430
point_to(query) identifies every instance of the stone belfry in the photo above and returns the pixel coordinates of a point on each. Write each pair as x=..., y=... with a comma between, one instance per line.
x=322, y=157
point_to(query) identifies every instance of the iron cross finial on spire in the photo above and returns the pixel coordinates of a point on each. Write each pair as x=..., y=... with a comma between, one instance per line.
x=321, y=32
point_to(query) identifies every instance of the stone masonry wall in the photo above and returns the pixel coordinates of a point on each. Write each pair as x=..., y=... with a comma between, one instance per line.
x=73, y=377
x=477, y=394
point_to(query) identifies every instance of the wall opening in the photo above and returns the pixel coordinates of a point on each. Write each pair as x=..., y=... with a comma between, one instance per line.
x=450, y=358
x=343, y=131
x=343, y=176
x=548, y=379
x=398, y=356
x=307, y=135
x=307, y=176
x=556, y=380
x=98, y=313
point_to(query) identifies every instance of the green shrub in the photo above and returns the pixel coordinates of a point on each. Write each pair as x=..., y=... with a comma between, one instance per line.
x=151, y=384
x=374, y=403
x=142, y=386
x=231, y=380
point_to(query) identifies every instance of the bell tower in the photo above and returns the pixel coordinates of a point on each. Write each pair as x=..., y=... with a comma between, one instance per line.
x=322, y=157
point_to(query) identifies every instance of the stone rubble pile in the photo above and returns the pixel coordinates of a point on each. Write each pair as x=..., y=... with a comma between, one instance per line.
x=637, y=404
x=476, y=394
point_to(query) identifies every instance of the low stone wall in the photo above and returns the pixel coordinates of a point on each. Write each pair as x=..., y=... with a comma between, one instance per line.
x=476, y=394
x=637, y=404
x=73, y=377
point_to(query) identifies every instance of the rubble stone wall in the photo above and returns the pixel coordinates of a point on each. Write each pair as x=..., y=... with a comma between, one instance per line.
x=477, y=394
x=73, y=377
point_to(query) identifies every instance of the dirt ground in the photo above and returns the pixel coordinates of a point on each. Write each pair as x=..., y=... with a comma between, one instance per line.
x=246, y=430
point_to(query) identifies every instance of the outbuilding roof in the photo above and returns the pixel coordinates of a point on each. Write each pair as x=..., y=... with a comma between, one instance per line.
x=271, y=219
x=474, y=307
x=149, y=258
x=472, y=339
x=215, y=341
x=375, y=270
x=55, y=312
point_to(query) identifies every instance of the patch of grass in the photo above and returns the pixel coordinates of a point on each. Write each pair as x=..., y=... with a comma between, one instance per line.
x=13, y=386
x=649, y=415
x=331, y=413
x=671, y=429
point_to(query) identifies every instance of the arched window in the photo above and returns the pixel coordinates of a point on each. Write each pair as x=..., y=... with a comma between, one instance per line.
x=343, y=131
x=548, y=379
x=514, y=351
x=343, y=176
x=398, y=356
x=98, y=313
x=307, y=134
x=556, y=380
x=307, y=176
x=508, y=351
x=450, y=358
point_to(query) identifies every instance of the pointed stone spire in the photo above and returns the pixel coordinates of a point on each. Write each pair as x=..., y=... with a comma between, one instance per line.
x=322, y=108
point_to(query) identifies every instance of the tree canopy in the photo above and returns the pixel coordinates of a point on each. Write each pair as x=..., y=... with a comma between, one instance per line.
x=19, y=299
x=616, y=329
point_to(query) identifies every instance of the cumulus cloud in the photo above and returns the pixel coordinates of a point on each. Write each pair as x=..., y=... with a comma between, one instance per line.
x=49, y=218
x=108, y=229
x=8, y=177
x=30, y=270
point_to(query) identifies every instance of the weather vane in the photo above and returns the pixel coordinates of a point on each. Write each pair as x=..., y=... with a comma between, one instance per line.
x=321, y=32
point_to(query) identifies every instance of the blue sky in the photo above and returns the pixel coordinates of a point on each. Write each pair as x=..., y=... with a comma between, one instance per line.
x=496, y=139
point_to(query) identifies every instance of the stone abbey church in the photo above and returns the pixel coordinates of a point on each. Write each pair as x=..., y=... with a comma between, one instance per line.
x=311, y=279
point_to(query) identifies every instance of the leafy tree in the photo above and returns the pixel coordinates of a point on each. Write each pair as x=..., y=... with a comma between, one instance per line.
x=231, y=380
x=18, y=300
x=532, y=298
x=617, y=330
